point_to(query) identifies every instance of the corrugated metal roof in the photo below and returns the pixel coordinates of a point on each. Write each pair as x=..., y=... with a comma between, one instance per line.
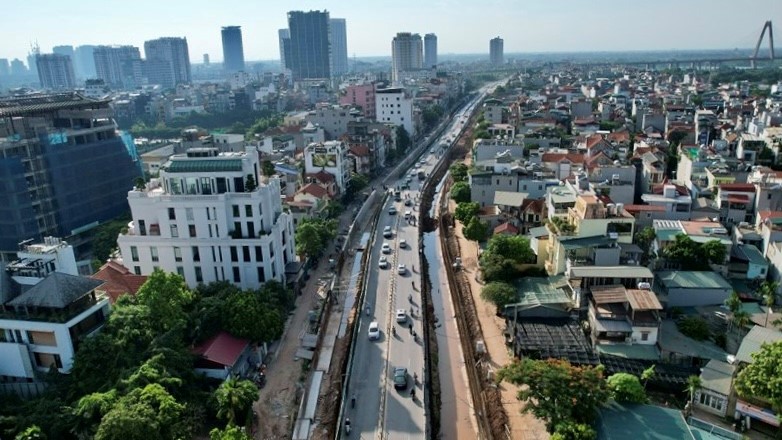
x=203, y=166
x=611, y=272
x=609, y=294
x=754, y=339
x=692, y=279
x=643, y=300
x=509, y=198
x=717, y=376
x=630, y=351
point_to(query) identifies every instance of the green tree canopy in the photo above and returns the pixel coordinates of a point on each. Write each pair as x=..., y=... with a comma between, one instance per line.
x=695, y=256
x=267, y=168
x=556, y=391
x=497, y=268
x=460, y=192
x=234, y=398
x=511, y=247
x=475, y=230
x=574, y=431
x=247, y=316
x=459, y=172
x=143, y=414
x=403, y=141
x=166, y=295
x=762, y=378
x=625, y=387
x=499, y=293
x=229, y=433
x=466, y=211
x=694, y=327
x=313, y=235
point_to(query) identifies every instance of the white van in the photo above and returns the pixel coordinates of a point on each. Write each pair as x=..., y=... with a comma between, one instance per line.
x=408, y=214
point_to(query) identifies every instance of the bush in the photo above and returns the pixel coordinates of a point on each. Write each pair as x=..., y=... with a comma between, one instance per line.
x=498, y=293
x=460, y=193
x=625, y=387
x=694, y=327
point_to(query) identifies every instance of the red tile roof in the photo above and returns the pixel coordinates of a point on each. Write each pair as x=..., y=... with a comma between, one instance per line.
x=506, y=228
x=740, y=187
x=118, y=280
x=315, y=190
x=222, y=349
x=322, y=176
x=559, y=157
x=360, y=150
x=593, y=141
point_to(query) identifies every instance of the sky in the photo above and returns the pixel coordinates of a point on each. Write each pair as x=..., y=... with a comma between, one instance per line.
x=461, y=26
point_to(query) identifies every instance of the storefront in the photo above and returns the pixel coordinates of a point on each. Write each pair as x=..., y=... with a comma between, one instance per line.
x=747, y=411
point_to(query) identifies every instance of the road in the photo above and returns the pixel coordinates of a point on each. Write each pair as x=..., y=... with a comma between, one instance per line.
x=381, y=410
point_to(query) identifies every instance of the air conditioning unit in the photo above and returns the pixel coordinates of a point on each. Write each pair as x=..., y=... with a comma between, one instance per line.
x=644, y=286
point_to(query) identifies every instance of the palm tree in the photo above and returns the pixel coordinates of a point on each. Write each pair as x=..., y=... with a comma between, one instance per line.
x=768, y=290
x=235, y=396
x=694, y=383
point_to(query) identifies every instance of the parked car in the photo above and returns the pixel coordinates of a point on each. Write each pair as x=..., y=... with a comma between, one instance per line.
x=383, y=263
x=392, y=210
x=374, y=331
x=403, y=243
x=386, y=248
x=401, y=269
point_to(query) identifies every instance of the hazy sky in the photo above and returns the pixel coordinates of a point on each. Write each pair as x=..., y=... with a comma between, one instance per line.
x=461, y=26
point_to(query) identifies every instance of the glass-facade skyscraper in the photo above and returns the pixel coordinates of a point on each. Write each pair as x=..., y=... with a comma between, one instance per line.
x=233, y=50
x=310, y=54
x=339, y=46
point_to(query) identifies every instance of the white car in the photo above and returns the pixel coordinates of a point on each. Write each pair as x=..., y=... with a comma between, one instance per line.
x=374, y=331
x=387, y=232
x=408, y=214
x=386, y=248
x=401, y=315
x=383, y=263
x=403, y=243
x=401, y=269
x=392, y=211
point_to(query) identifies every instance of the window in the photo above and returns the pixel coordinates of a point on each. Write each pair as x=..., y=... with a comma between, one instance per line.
x=192, y=230
x=134, y=253
x=235, y=209
x=46, y=360
x=178, y=254
x=206, y=185
x=196, y=253
x=234, y=254
x=153, y=253
x=237, y=229
x=258, y=254
x=142, y=227
x=200, y=276
x=261, y=275
x=180, y=271
x=189, y=214
x=137, y=270
x=246, y=254
x=210, y=230
x=644, y=336
x=171, y=214
x=237, y=278
x=174, y=231
x=711, y=401
x=250, y=230
x=523, y=187
x=208, y=216
x=248, y=210
x=42, y=338
x=271, y=251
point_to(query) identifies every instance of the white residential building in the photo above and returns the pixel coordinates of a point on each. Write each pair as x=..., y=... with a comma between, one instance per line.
x=45, y=309
x=331, y=157
x=200, y=219
x=393, y=106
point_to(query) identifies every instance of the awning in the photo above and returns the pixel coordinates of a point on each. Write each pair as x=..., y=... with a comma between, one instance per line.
x=608, y=325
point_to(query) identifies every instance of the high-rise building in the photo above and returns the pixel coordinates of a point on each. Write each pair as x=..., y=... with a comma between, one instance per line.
x=285, y=47
x=206, y=59
x=31, y=56
x=234, y=229
x=310, y=56
x=82, y=168
x=118, y=66
x=18, y=68
x=5, y=67
x=430, y=51
x=84, y=61
x=167, y=61
x=407, y=54
x=55, y=71
x=68, y=51
x=496, y=56
x=233, y=51
x=394, y=106
x=339, y=46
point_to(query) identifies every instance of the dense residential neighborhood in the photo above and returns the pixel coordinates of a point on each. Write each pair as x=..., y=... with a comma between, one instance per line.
x=503, y=245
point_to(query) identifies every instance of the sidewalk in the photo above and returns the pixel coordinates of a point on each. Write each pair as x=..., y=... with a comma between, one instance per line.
x=522, y=426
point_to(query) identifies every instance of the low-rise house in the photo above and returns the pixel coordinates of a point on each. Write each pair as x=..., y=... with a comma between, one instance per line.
x=680, y=288
x=117, y=281
x=736, y=202
x=618, y=315
x=224, y=355
x=747, y=263
x=716, y=386
x=751, y=408
x=674, y=199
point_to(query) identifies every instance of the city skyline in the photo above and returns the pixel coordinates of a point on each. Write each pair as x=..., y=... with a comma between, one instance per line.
x=534, y=26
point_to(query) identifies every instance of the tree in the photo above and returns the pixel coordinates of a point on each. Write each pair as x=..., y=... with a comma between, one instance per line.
x=695, y=256
x=714, y=251
x=249, y=183
x=229, y=433
x=694, y=384
x=556, y=391
x=465, y=211
x=143, y=414
x=768, y=291
x=403, y=141
x=762, y=379
x=460, y=192
x=267, y=168
x=625, y=387
x=644, y=239
x=694, y=327
x=234, y=398
x=166, y=295
x=500, y=294
x=308, y=240
x=574, y=431
x=647, y=375
x=459, y=172
x=475, y=230
x=511, y=247
x=356, y=184
x=31, y=433
x=104, y=238
x=248, y=317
